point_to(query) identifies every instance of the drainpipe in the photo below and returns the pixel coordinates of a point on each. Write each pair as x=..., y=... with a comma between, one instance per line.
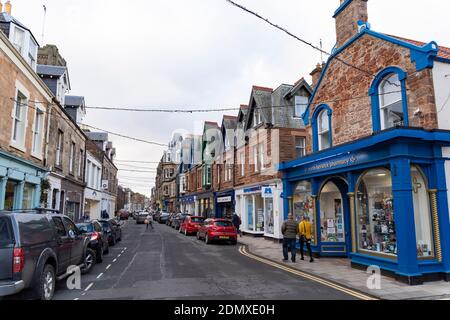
x=47, y=136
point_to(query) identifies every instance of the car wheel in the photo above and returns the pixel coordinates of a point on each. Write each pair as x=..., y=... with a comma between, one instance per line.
x=207, y=240
x=89, y=261
x=46, y=284
x=99, y=256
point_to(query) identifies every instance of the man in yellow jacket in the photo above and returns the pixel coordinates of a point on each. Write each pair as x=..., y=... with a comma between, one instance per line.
x=305, y=232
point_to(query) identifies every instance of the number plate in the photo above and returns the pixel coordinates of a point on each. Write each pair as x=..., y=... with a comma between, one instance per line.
x=224, y=237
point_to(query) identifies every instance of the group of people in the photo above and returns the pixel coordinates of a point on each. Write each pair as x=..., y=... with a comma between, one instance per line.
x=290, y=229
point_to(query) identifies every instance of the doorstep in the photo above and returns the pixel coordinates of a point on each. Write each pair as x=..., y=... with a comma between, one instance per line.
x=340, y=271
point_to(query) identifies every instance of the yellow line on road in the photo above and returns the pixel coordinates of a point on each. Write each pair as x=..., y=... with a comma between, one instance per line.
x=327, y=283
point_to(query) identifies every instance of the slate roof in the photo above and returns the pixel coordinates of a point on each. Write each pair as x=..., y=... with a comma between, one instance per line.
x=55, y=71
x=6, y=18
x=261, y=98
x=97, y=136
x=74, y=101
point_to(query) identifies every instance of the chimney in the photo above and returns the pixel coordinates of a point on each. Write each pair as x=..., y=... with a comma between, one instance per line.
x=8, y=7
x=315, y=74
x=347, y=16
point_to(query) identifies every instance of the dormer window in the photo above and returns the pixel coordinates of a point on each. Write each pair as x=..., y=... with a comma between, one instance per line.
x=301, y=103
x=257, y=117
x=19, y=39
x=32, y=52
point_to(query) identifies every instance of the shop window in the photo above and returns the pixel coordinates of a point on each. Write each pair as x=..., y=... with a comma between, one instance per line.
x=10, y=194
x=375, y=213
x=27, y=200
x=321, y=122
x=422, y=215
x=389, y=99
x=331, y=214
x=303, y=203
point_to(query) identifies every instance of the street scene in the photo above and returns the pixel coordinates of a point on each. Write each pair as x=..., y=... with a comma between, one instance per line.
x=224, y=151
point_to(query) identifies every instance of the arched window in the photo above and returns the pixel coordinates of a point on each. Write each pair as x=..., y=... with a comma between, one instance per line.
x=422, y=215
x=321, y=123
x=389, y=99
x=375, y=213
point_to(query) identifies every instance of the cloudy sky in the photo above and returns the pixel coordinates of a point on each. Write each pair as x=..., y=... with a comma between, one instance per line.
x=195, y=54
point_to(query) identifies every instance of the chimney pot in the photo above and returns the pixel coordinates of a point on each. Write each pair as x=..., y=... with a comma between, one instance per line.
x=8, y=7
x=316, y=73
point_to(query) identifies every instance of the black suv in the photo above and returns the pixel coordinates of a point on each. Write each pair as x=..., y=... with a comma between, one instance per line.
x=98, y=239
x=112, y=229
x=36, y=249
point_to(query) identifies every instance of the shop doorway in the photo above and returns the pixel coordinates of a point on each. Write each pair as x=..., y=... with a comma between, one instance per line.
x=333, y=206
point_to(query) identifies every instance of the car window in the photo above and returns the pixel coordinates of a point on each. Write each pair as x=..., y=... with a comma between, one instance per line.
x=59, y=226
x=223, y=224
x=197, y=219
x=6, y=235
x=70, y=225
x=86, y=227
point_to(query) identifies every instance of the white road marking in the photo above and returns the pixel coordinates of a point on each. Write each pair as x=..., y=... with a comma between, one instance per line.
x=89, y=286
x=99, y=275
x=109, y=266
x=114, y=260
x=83, y=294
x=76, y=299
x=118, y=256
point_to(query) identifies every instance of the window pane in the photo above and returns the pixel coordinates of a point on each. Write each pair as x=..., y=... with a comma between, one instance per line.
x=303, y=203
x=422, y=215
x=331, y=214
x=375, y=221
x=324, y=140
x=10, y=195
x=324, y=124
x=300, y=105
x=390, y=90
x=27, y=201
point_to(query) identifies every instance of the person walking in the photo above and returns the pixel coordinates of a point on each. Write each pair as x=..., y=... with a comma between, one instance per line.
x=148, y=221
x=305, y=232
x=289, y=229
x=236, y=220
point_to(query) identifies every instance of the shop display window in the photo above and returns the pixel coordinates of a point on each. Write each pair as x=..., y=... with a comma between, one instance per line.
x=27, y=200
x=303, y=204
x=249, y=209
x=331, y=214
x=10, y=194
x=259, y=213
x=422, y=215
x=375, y=213
x=269, y=216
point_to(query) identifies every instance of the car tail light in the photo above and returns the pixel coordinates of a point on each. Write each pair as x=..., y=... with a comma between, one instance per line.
x=18, y=260
x=95, y=236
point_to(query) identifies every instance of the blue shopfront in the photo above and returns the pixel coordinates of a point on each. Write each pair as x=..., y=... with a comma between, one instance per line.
x=224, y=204
x=20, y=183
x=378, y=201
x=187, y=204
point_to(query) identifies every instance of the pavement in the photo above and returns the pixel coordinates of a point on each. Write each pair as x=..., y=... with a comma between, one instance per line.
x=339, y=271
x=164, y=264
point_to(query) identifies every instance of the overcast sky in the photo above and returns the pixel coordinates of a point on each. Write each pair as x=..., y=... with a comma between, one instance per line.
x=195, y=53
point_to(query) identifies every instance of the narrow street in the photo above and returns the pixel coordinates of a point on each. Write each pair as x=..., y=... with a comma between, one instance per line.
x=164, y=264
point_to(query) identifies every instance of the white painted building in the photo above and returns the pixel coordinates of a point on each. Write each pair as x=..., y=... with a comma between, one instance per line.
x=92, y=192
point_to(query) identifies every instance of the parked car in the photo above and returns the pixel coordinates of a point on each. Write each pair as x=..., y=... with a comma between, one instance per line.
x=163, y=217
x=141, y=217
x=98, y=239
x=178, y=220
x=190, y=224
x=112, y=229
x=36, y=250
x=124, y=215
x=217, y=230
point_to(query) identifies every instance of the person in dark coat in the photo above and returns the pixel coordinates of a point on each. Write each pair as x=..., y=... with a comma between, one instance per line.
x=289, y=229
x=236, y=220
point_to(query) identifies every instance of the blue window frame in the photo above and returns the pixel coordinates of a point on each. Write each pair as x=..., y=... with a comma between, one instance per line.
x=389, y=99
x=322, y=129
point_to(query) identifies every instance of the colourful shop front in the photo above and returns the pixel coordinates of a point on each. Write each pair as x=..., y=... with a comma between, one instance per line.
x=379, y=201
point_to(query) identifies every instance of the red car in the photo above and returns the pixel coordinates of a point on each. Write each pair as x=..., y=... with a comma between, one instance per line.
x=190, y=224
x=217, y=230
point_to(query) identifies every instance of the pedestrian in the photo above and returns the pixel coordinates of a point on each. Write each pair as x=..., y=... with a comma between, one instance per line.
x=289, y=229
x=236, y=220
x=305, y=232
x=148, y=221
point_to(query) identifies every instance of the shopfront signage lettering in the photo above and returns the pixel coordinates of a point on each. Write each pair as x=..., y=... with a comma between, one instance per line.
x=252, y=190
x=341, y=162
x=224, y=199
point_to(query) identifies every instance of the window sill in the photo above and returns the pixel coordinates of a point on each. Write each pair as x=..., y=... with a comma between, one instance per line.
x=37, y=156
x=18, y=147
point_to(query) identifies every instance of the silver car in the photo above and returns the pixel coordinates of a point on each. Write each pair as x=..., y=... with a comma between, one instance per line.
x=141, y=216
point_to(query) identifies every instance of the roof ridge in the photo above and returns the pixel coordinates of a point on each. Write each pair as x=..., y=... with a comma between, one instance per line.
x=259, y=88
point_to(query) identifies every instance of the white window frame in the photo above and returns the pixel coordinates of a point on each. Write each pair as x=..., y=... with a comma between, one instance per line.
x=88, y=173
x=301, y=146
x=261, y=156
x=80, y=162
x=383, y=107
x=218, y=174
x=257, y=117
x=59, y=147
x=72, y=157
x=22, y=48
x=255, y=157
x=320, y=132
x=300, y=106
x=242, y=160
x=38, y=133
x=20, y=143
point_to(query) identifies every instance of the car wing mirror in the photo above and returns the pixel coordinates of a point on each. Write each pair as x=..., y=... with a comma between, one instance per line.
x=71, y=234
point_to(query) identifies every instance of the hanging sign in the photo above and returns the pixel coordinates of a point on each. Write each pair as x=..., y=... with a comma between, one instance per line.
x=267, y=192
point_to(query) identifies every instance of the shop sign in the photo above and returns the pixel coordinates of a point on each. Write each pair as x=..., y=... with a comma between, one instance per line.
x=338, y=162
x=252, y=190
x=267, y=192
x=224, y=199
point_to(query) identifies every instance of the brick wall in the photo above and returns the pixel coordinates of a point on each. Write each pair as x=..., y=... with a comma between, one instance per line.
x=346, y=21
